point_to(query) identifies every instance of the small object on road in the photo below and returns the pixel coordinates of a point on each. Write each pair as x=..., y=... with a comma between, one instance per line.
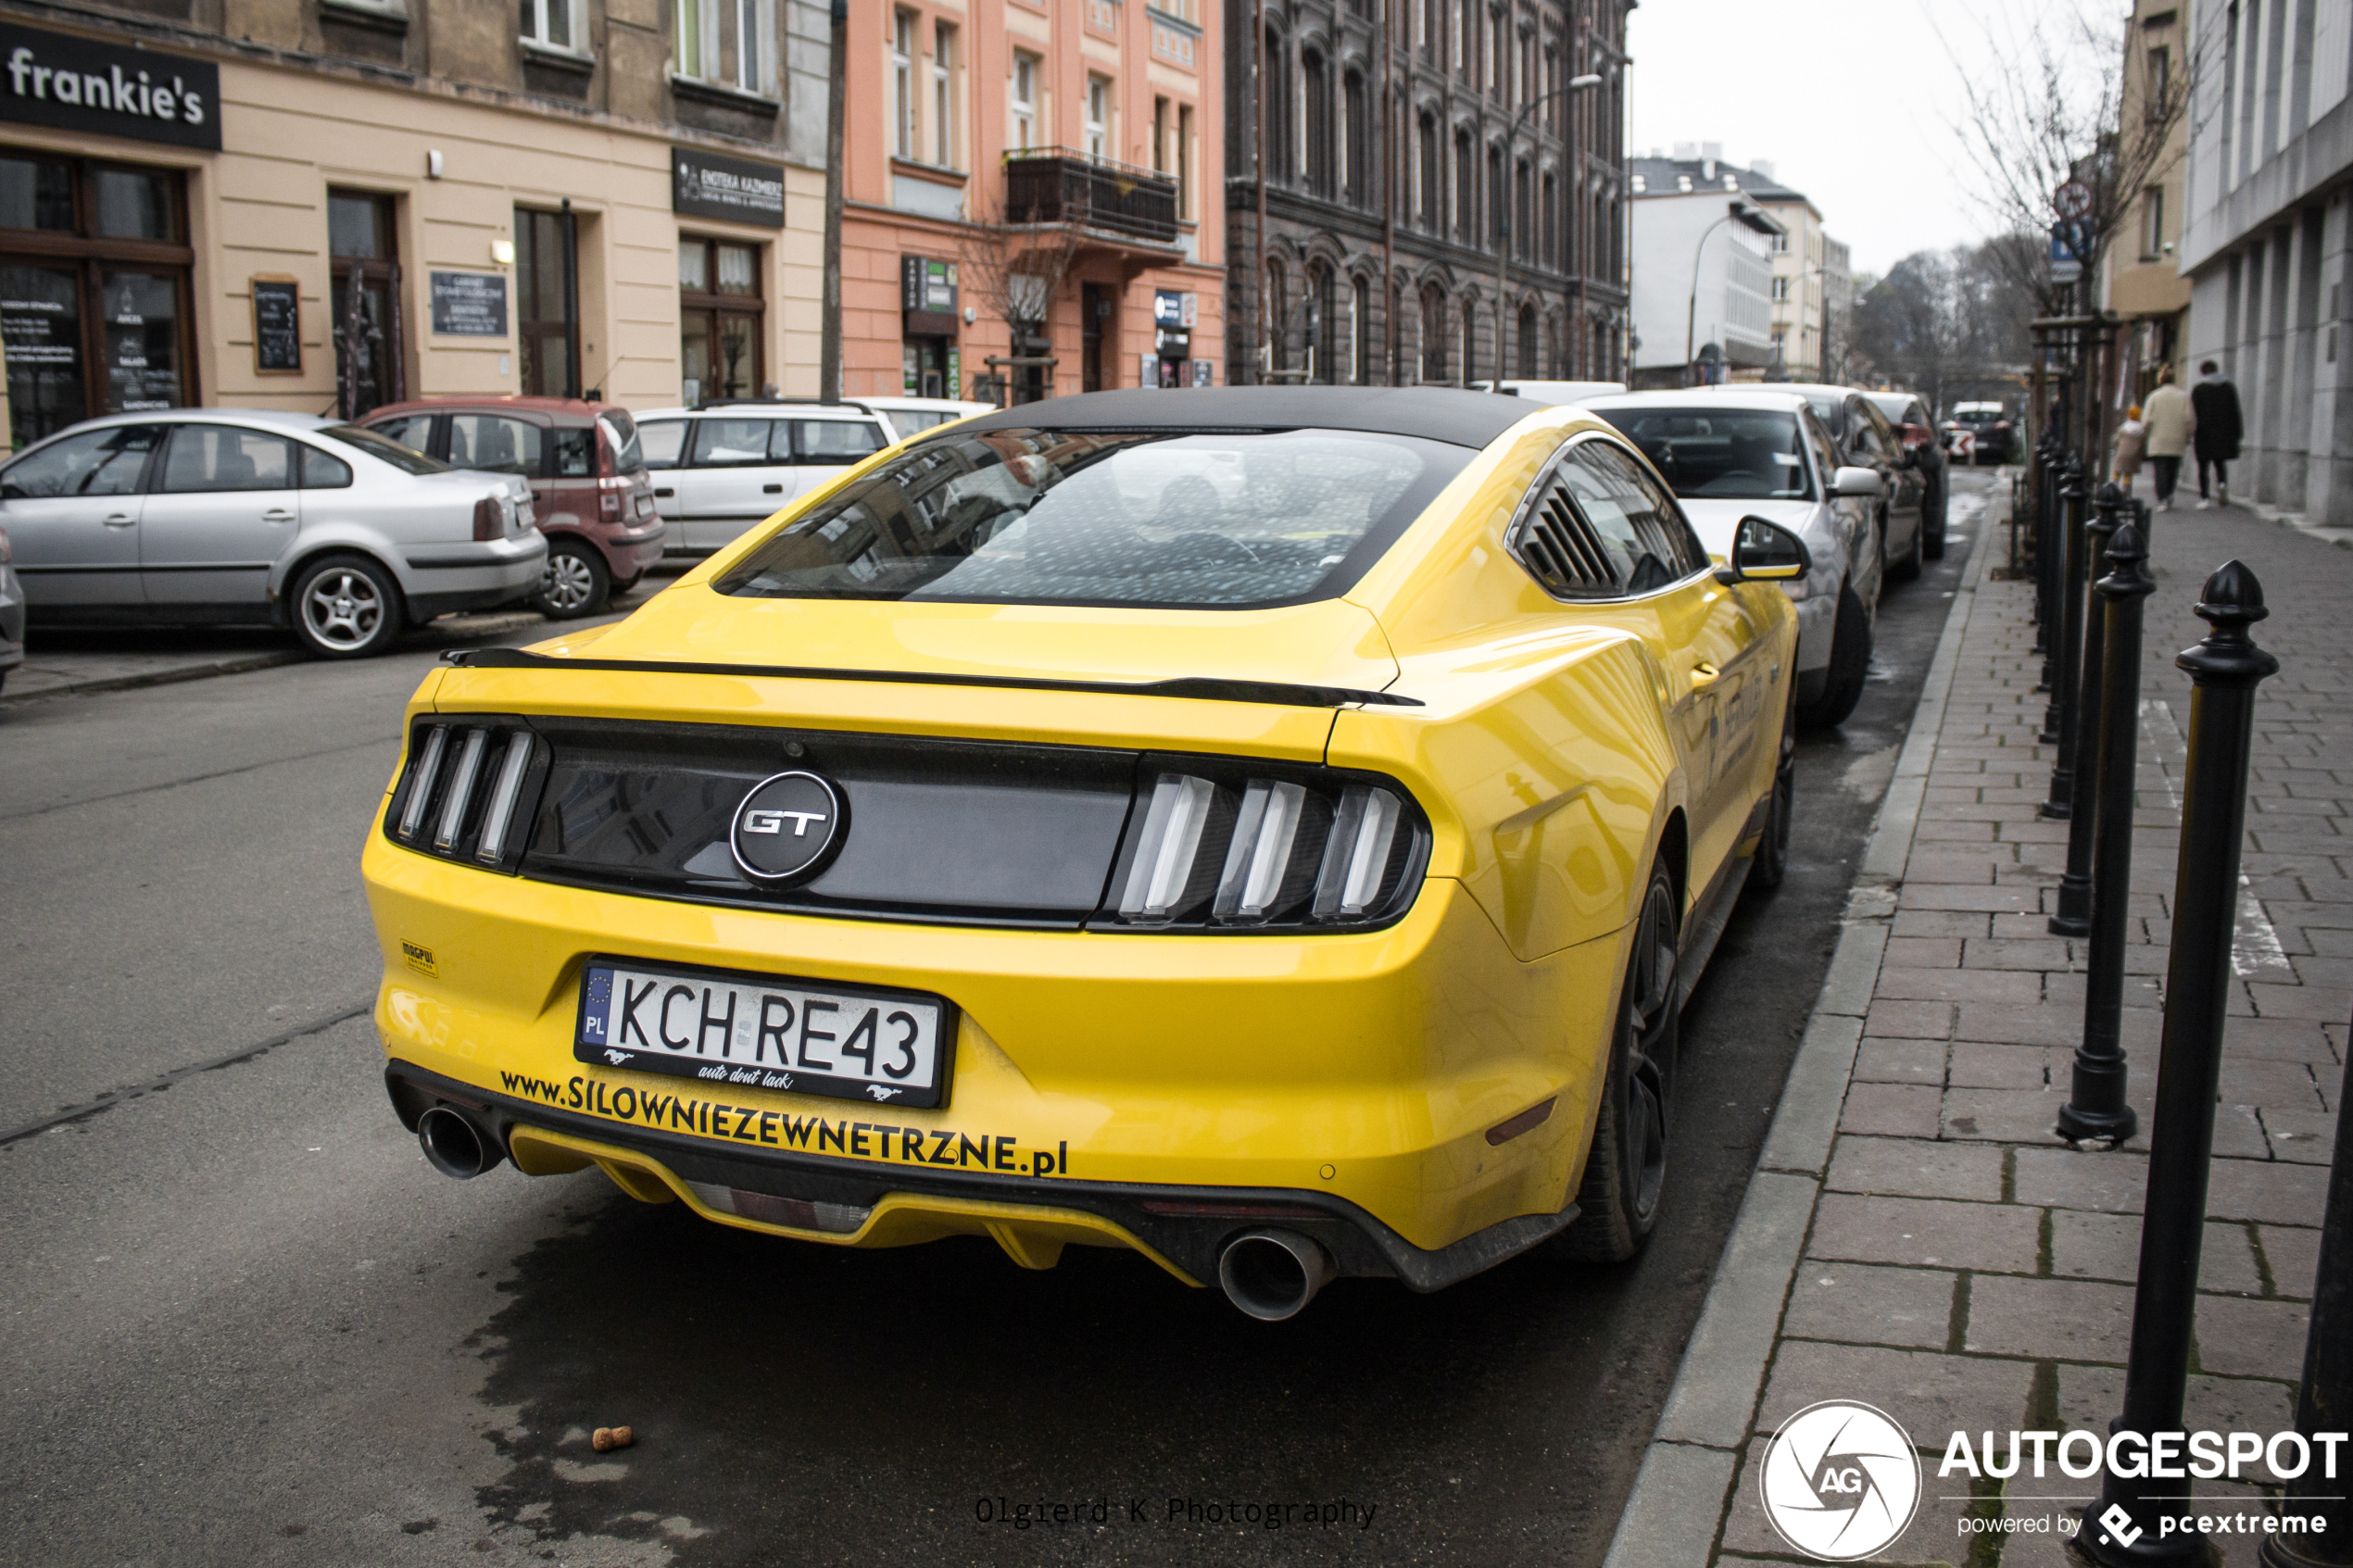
x=607, y=1438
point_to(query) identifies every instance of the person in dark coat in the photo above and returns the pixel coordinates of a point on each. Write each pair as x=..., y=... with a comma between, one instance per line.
x=2216, y=402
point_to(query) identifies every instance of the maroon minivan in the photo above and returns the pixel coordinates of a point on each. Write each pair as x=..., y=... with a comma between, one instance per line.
x=589, y=481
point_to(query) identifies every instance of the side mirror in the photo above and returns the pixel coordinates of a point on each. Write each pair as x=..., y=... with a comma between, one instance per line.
x=1858, y=481
x=1765, y=552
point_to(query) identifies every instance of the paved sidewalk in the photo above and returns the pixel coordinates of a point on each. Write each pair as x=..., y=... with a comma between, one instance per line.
x=1916, y=1237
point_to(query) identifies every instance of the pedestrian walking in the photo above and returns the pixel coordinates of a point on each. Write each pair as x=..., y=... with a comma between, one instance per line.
x=2131, y=441
x=2215, y=402
x=2171, y=420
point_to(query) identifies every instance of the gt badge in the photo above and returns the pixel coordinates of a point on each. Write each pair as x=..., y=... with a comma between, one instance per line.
x=787, y=828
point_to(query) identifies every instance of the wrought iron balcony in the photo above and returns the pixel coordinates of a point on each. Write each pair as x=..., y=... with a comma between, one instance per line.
x=1058, y=186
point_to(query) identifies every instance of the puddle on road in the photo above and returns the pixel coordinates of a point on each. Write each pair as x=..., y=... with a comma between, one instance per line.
x=1866, y=777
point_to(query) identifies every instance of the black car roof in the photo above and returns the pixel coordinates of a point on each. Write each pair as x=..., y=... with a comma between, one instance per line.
x=1461, y=418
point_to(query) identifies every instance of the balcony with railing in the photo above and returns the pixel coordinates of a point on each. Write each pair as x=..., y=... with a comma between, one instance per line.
x=1058, y=186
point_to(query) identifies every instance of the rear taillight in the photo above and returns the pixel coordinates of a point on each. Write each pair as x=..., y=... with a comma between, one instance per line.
x=490, y=519
x=470, y=791
x=611, y=491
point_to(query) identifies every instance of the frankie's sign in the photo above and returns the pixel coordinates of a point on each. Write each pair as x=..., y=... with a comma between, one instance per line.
x=71, y=83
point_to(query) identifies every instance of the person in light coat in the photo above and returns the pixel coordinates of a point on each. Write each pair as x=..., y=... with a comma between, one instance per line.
x=2172, y=423
x=2131, y=441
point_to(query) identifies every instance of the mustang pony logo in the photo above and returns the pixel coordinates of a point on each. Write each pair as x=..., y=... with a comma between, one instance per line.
x=883, y=1091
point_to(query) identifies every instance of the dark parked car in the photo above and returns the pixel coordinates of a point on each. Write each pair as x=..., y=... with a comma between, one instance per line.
x=1993, y=435
x=1867, y=440
x=1917, y=429
x=588, y=479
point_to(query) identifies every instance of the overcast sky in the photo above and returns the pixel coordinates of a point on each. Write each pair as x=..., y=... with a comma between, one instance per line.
x=1852, y=101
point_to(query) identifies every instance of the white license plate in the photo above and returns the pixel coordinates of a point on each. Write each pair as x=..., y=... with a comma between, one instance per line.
x=766, y=1032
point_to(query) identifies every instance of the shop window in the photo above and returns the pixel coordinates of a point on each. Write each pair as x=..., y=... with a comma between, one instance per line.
x=547, y=302
x=94, y=290
x=720, y=312
x=731, y=42
x=556, y=24
x=363, y=246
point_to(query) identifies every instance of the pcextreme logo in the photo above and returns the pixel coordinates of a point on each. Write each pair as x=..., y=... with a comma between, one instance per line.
x=1840, y=1480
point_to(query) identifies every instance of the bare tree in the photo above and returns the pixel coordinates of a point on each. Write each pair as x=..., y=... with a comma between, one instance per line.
x=1016, y=271
x=2075, y=100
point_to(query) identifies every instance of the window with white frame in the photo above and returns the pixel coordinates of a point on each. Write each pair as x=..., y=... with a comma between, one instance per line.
x=1098, y=116
x=903, y=82
x=727, y=43
x=555, y=24
x=1023, y=99
x=943, y=95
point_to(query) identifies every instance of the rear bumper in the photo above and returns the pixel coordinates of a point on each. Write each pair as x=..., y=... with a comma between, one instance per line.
x=851, y=1203
x=443, y=577
x=627, y=551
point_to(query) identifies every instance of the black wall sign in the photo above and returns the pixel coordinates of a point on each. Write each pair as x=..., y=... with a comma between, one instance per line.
x=277, y=324
x=728, y=188
x=73, y=84
x=470, y=304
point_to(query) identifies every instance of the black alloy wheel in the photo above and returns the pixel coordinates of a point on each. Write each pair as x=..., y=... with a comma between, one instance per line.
x=1625, y=1169
x=1850, y=665
x=1771, y=862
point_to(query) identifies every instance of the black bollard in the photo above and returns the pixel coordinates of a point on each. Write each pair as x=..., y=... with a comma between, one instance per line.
x=2073, y=916
x=2326, y=1402
x=2045, y=505
x=2224, y=669
x=2096, y=1105
x=2067, y=625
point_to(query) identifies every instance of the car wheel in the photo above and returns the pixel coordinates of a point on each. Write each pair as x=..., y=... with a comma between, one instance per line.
x=346, y=607
x=1850, y=665
x=576, y=582
x=1771, y=862
x=1908, y=568
x=1625, y=1169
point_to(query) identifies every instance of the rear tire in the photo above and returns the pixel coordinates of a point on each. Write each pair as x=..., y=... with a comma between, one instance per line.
x=345, y=607
x=1625, y=1169
x=1771, y=860
x=1850, y=665
x=576, y=582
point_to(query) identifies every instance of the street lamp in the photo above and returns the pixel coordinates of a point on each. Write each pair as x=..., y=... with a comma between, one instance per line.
x=1741, y=210
x=1504, y=251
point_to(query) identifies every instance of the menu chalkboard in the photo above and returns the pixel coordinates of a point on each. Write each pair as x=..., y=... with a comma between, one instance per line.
x=277, y=324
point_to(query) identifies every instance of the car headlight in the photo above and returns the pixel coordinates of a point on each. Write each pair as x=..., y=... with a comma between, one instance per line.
x=1218, y=846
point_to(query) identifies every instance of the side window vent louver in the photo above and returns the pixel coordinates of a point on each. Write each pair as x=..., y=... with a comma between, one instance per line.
x=1560, y=550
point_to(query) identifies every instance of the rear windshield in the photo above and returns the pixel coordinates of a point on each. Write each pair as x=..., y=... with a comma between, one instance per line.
x=1720, y=454
x=906, y=422
x=1165, y=519
x=621, y=440
x=407, y=460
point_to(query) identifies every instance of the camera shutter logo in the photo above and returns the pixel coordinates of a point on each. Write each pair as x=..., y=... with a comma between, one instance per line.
x=787, y=828
x=1840, y=1480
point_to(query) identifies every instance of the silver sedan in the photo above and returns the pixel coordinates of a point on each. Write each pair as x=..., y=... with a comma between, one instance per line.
x=1735, y=453
x=249, y=516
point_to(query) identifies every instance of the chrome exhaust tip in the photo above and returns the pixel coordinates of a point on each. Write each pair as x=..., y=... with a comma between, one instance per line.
x=1273, y=1275
x=455, y=1145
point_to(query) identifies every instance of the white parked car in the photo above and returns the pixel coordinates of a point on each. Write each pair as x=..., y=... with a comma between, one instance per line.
x=1731, y=452
x=912, y=415
x=718, y=471
x=245, y=516
x=1553, y=392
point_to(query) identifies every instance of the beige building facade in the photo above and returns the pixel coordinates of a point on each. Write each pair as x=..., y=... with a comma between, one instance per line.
x=2142, y=273
x=341, y=203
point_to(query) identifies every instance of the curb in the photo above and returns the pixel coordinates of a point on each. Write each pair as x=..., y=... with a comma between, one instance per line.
x=1677, y=1503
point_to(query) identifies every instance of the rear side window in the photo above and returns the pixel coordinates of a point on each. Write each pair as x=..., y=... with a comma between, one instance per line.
x=836, y=441
x=1600, y=528
x=662, y=443
x=321, y=471
x=1832, y=411
x=1862, y=437
x=621, y=440
x=734, y=443
x=205, y=458
x=97, y=462
x=1652, y=524
x=410, y=430
x=497, y=445
x=576, y=451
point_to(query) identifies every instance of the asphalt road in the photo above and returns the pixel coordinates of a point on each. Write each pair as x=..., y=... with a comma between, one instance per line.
x=245, y=1323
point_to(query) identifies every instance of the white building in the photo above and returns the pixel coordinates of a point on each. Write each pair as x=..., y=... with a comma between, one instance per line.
x=1703, y=254
x=2264, y=239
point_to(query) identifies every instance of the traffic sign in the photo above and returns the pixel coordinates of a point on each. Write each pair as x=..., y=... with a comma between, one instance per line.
x=2072, y=200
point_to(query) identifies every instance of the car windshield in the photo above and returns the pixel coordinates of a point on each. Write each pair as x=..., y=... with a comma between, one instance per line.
x=1164, y=519
x=407, y=460
x=1720, y=454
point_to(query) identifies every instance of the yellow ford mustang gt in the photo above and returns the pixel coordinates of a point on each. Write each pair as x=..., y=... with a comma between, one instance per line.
x=1270, y=829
